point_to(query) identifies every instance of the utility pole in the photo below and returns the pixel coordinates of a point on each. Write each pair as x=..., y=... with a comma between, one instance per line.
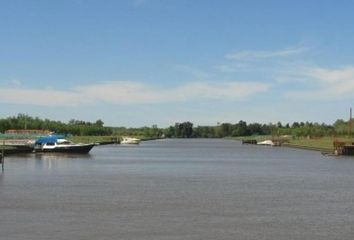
x=350, y=125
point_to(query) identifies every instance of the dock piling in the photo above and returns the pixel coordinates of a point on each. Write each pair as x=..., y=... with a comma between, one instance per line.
x=2, y=161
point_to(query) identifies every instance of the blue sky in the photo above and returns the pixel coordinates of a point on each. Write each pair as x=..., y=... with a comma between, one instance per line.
x=144, y=62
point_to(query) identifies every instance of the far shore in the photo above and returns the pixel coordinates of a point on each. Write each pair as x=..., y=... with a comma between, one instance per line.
x=105, y=139
x=322, y=144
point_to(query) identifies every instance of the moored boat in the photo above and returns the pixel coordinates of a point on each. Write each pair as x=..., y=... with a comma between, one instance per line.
x=266, y=142
x=130, y=140
x=54, y=144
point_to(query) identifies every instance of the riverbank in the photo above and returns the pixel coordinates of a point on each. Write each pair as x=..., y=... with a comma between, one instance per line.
x=324, y=144
x=104, y=139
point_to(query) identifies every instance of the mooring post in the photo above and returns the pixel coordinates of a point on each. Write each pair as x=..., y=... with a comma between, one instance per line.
x=2, y=161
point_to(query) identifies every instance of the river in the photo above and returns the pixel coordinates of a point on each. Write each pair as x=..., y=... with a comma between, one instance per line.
x=178, y=189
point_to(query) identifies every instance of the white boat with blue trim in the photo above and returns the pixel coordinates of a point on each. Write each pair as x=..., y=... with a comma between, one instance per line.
x=54, y=144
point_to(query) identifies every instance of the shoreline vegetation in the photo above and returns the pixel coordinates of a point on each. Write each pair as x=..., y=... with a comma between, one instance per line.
x=105, y=139
x=306, y=135
x=322, y=144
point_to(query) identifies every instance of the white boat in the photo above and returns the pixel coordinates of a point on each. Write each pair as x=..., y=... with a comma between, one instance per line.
x=54, y=144
x=266, y=142
x=130, y=140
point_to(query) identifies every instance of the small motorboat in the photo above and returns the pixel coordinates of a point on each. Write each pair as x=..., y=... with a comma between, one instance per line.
x=266, y=142
x=54, y=144
x=130, y=140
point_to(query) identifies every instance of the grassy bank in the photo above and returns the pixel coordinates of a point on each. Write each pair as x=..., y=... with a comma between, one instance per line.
x=319, y=144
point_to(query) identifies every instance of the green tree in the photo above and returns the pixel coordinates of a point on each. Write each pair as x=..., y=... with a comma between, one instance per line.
x=99, y=123
x=184, y=130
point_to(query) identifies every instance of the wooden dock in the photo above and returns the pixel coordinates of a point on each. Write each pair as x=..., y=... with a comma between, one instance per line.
x=15, y=149
x=250, y=141
x=343, y=148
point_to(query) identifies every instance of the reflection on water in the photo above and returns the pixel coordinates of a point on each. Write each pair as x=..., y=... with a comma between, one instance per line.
x=50, y=160
x=60, y=156
x=2, y=173
x=178, y=189
x=44, y=160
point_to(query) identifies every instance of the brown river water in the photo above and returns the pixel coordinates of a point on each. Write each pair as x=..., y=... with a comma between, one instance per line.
x=178, y=189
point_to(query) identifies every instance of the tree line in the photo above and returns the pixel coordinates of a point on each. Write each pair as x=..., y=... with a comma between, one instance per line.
x=242, y=128
x=73, y=127
x=178, y=130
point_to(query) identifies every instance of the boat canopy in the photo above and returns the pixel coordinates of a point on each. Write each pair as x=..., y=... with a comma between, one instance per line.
x=47, y=139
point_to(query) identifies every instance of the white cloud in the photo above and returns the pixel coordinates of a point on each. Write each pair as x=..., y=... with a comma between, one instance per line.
x=132, y=92
x=233, y=67
x=196, y=73
x=326, y=84
x=123, y=92
x=228, y=90
x=254, y=55
x=344, y=75
x=40, y=97
x=16, y=82
x=259, y=60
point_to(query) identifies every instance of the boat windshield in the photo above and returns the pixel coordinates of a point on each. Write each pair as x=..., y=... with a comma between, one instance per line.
x=64, y=142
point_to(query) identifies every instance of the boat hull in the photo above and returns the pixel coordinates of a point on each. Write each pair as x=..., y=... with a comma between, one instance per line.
x=136, y=143
x=67, y=149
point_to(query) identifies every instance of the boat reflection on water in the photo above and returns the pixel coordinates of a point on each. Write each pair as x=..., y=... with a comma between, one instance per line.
x=1, y=177
x=60, y=156
x=51, y=160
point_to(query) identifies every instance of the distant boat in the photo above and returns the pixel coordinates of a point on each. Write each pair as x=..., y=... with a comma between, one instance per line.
x=266, y=142
x=130, y=140
x=54, y=144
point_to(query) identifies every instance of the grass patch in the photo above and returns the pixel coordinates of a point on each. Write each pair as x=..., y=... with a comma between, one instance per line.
x=320, y=143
